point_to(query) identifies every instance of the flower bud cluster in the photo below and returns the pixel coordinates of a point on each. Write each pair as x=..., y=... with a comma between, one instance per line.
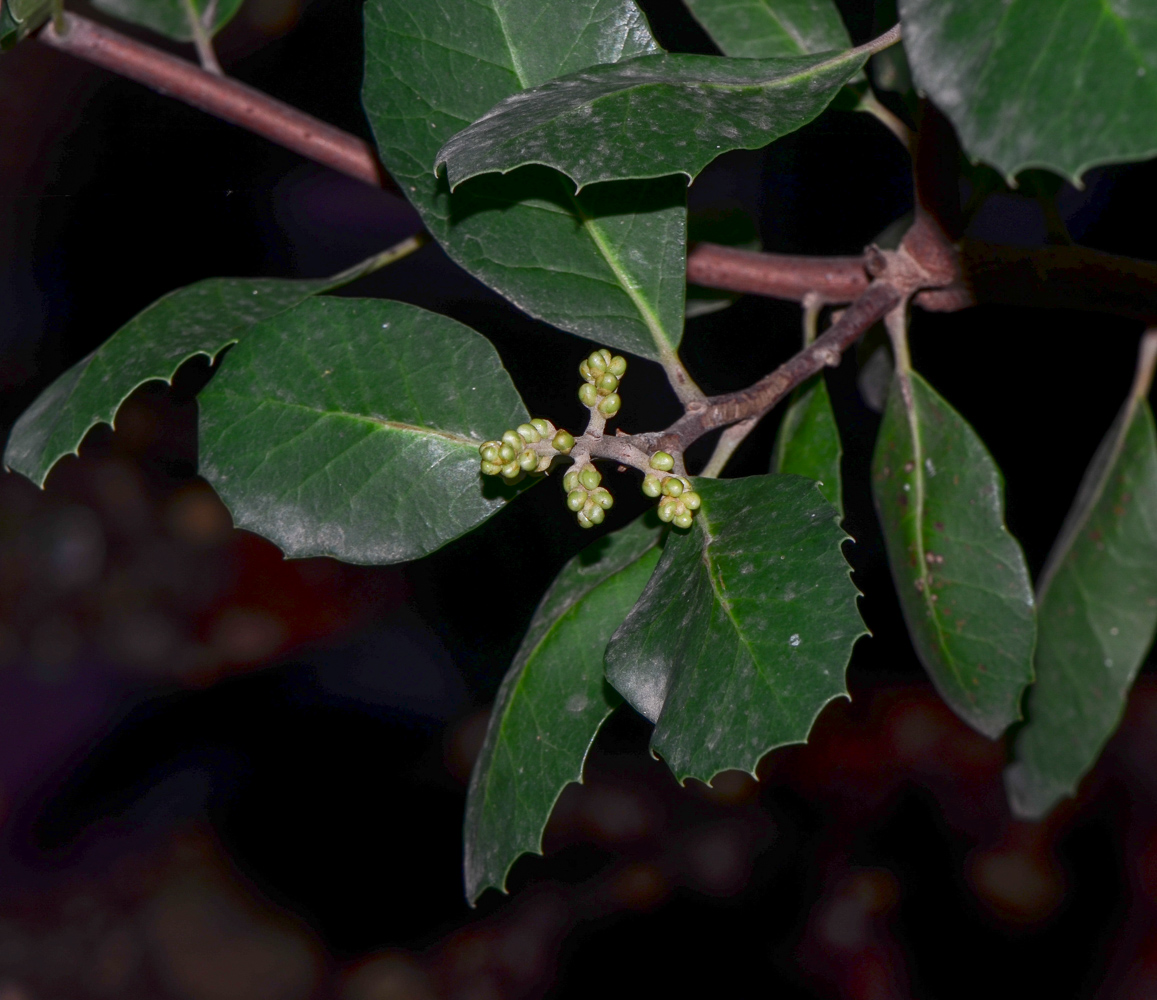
x=601, y=374
x=515, y=455
x=585, y=496
x=678, y=501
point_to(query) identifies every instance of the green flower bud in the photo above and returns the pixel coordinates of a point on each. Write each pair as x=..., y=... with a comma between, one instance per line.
x=563, y=442
x=597, y=363
x=585, y=371
x=571, y=480
x=527, y=460
x=652, y=486
x=606, y=355
x=603, y=498
x=489, y=451
x=588, y=394
x=513, y=439
x=662, y=461
x=607, y=383
x=544, y=427
x=543, y=464
x=617, y=366
x=511, y=470
x=666, y=512
x=672, y=486
x=682, y=520
x=576, y=500
x=595, y=514
x=529, y=434
x=491, y=468
x=610, y=406
x=691, y=500
x=589, y=477
x=507, y=452
x=583, y=520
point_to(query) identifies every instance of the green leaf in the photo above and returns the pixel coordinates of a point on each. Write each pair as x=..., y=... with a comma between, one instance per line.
x=759, y=29
x=200, y=320
x=552, y=702
x=963, y=584
x=172, y=18
x=1097, y=615
x=649, y=117
x=350, y=428
x=1029, y=84
x=19, y=18
x=808, y=441
x=610, y=264
x=745, y=629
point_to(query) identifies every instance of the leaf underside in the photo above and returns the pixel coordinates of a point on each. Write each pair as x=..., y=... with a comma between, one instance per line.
x=1096, y=617
x=808, y=441
x=350, y=428
x=648, y=117
x=745, y=629
x=1065, y=86
x=609, y=264
x=170, y=17
x=552, y=703
x=962, y=579
x=758, y=29
x=200, y=320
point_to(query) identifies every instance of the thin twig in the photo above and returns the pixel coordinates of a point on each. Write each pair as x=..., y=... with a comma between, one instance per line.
x=202, y=39
x=731, y=438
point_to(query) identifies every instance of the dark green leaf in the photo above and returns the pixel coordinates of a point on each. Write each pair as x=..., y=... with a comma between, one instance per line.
x=649, y=117
x=1097, y=614
x=744, y=631
x=760, y=29
x=350, y=428
x=963, y=584
x=19, y=18
x=202, y=319
x=552, y=702
x=172, y=18
x=1029, y=84
x=609, y=264
x=808, y=441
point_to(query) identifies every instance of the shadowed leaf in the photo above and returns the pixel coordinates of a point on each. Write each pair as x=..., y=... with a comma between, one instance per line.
x=758, y=29
x=808, y=441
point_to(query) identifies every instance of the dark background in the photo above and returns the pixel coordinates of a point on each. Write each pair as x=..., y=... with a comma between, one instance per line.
x=226, y=775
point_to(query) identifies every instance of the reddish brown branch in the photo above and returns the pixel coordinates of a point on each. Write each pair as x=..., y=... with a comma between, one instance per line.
x=781, y=276
x=226, y=99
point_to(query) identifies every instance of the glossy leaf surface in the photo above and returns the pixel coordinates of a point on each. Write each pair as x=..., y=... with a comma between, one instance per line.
x=609, y=264
x=758, y=29
x=649, y=117
x=552, y=702
x=171, y=18
x=1096, y=618
x=350, y=428
x=1029, y=84
x=202, y=319
x=962, y=580
x=744, y=631
x=808, y=441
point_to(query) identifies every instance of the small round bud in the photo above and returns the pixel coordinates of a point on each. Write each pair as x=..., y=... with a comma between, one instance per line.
x=662, y=461
x=595, y=514
x=610, y=406
x=576, y=500
x=514, y=439
x=544, y=427
x=603, y=498
x=597, y=363
x=589, y=477
x=682, y=520
x=652, y=486
x=583, y=520
x=672, y=486
x=607, y=382
x=507, y=452
x=571, y=480
x=585, y=371
x=691, y=500
x=510, y=470
x=527, y=460
x=543, y=464
x=588, y=394
x=617, y=366
x=563, y=441
x=666, y=512
x=605, y=354
x=489, y=451
x=491, y=468
x=529, y=434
